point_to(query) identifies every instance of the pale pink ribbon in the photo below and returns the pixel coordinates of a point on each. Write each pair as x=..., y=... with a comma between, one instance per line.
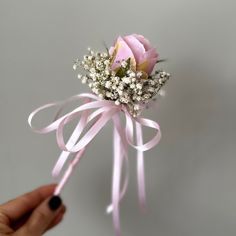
x=93, y=122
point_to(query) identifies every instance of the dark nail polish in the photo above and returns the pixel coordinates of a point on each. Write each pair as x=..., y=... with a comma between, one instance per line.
x=54, y=203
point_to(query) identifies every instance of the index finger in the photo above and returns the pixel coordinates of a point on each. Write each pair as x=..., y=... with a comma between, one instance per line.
x=20, y=206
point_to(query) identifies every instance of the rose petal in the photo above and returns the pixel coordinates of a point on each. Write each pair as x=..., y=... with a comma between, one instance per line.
x=136, y=47
x=121, y=52
x=152, y=53
x=150, y=57
x=151, y=64
x=147, y=45
x=111, y=50
x=143, y=66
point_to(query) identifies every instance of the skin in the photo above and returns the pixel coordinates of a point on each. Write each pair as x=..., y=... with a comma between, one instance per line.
x=29, y=214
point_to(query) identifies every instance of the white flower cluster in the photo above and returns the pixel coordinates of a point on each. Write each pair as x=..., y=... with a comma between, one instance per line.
x=124, y=85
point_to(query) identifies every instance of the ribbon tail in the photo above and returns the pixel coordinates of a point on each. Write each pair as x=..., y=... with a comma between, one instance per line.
x=85, y=118
x=124, y=159
x=68, y=172
x=140, y=168
x=71, y=142
x=117, y=165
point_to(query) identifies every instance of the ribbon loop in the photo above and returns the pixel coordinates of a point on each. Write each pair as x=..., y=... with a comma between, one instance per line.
x=129, y=129
x=123, y=137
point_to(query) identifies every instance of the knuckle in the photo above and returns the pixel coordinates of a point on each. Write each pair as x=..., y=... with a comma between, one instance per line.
x=5, y=230
x=37, y=223
x=3, y=217
x=41, y=217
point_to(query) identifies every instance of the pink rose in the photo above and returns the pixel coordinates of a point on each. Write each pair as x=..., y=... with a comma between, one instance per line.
x=143, y=56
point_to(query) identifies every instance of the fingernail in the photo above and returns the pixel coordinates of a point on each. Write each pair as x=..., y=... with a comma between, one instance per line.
x=54, y=203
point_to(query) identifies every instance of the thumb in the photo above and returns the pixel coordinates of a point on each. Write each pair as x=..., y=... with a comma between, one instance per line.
x=42, y=217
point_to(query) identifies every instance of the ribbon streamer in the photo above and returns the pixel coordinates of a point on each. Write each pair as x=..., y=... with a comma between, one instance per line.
x=93, y=121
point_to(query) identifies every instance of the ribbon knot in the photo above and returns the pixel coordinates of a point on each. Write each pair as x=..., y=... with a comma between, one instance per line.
x=93, y=115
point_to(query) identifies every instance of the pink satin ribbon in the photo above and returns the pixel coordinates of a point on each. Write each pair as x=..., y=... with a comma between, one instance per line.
x=93, y=115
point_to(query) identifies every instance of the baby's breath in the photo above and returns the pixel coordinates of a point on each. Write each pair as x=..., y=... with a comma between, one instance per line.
x=123, y=85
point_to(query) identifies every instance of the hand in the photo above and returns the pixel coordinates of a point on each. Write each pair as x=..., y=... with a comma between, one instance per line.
x=31, y=214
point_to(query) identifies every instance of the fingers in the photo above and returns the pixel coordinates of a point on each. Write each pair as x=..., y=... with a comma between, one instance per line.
x=20, y=206
x=46, y=215
x=57, y=219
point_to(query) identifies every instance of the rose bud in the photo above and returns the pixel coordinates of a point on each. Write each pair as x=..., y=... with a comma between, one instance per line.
x=143, y=56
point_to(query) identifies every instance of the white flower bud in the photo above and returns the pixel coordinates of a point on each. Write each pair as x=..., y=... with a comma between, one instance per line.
x=139, y=74
x=84, y=79
x=136, y=107
x=124, y=64
x=132, y=86
x=139, y=86
x=108, y=94
x=126, y=80
x=117, y=102
x=74, y=66
x=108, y=84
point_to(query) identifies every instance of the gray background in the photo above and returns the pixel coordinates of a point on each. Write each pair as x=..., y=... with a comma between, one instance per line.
x=190, y=175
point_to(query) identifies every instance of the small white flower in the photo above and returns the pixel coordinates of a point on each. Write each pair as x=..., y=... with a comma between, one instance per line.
x=117, y=79
x=92, y=70
x=107, y=62
x=132, y=74
x=98, y=64
x=108, y=94
x=74, y=66
x=136, y=107
x=107, y=72
x=139, y=86
x=108, y=84
x=124, y=100
x=151, y=89
x=100, y=95
x=139, y=74
x=114, y=87
x=147, y=96
x=120, y=92
x=126, y=80
x=124, y=64
x=132, y=86
x=162, y=93
x=151, y=82
x=86, y=67
x=104, y=55
x=93, y=76
x=121, y=86
x=84, y=80
x=95, y=90
x=117, y=102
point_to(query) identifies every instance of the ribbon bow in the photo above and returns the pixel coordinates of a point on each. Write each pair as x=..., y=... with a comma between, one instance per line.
x=93, y=121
